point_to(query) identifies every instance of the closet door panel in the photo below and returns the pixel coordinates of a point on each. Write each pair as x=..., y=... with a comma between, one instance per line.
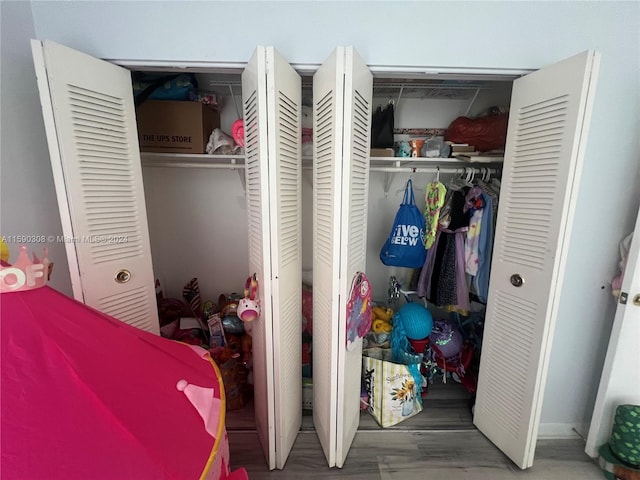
x=91, y=131
x=353, y=232
x=546, y=138
x=342, y=116
x=272, y=117
x=328, y=101
x=284, y=88
x=254, y=98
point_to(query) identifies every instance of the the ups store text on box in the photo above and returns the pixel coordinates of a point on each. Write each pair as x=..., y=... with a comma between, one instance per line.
x=171, y=126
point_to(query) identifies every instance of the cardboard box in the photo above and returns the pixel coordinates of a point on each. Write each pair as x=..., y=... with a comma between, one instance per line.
x=171, y=126
x=381, y=152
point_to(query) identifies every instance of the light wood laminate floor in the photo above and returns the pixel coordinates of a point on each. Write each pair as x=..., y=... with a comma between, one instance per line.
x=391, y=455
x=440, y=443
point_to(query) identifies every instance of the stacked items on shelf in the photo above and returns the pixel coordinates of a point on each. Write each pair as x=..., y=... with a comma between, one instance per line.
x=479, y=139
x=468, y=153
x=174, y=116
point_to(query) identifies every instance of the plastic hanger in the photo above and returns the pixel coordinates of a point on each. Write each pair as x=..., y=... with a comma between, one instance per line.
x=463, y=181
x=436, y=179
x=416, y=191
x=473, y=180
x=401, y=190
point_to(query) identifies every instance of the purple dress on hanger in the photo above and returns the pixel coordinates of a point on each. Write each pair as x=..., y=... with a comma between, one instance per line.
x=443, y=279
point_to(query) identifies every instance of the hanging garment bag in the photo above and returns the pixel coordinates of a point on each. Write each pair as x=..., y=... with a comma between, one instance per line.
x=405, y=246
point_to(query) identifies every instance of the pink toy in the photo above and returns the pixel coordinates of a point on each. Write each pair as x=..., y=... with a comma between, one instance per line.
x=25, y=274
x=249, y=306
x=237, y=132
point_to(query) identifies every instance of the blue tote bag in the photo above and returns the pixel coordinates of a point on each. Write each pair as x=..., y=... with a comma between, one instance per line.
x=405, y=246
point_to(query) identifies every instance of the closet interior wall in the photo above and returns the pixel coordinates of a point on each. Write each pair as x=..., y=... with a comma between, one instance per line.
x=198, y=216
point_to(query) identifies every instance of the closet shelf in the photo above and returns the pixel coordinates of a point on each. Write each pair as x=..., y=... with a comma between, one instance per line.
x=386, y=164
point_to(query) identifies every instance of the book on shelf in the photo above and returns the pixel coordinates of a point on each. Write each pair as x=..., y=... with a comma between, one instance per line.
x=479, y=157
x=468, y=154
x=460, y=147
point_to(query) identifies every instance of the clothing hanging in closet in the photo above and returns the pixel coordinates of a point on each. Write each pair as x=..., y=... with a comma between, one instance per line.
x=458, y=262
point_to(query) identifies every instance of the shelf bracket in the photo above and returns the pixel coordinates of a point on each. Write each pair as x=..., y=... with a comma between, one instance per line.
x=235, y=104
x=243, y=179
x=398, y=99
x=388, y=180
x=475, y=95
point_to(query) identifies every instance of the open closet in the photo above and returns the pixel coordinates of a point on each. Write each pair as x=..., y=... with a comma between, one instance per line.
x=101, y=185
x=547, y=130
x=278, y=214
x=424, y=108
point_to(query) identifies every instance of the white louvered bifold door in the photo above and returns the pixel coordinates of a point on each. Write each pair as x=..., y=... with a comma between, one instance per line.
x=91, y=131
x=272, y=116
x=358, y=93
x=284, y=87
x=254, y=87
x=328, y=99
x=546, y=138
x=342, y=91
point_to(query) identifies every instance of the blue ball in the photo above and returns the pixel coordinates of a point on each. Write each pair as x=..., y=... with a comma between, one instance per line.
x=417, y=320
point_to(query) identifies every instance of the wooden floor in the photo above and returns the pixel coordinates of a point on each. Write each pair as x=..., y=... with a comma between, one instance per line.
x=440, y=443
x=385, y=455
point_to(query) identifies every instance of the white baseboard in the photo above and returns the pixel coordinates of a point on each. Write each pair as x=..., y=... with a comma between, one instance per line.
x=562, y=430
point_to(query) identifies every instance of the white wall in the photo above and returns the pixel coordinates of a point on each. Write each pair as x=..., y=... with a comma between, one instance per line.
x=198, y=228
x=524, y=35
x=28, y=201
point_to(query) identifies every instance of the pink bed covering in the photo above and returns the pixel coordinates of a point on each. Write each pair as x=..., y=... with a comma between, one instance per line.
x=85, y=396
